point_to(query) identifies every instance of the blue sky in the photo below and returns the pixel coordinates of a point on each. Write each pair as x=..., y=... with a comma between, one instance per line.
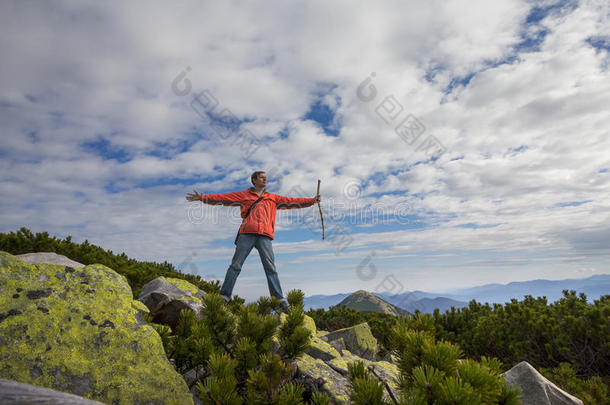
x=458, y=143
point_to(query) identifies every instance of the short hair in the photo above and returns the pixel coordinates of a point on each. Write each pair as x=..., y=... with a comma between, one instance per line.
x=255, y=176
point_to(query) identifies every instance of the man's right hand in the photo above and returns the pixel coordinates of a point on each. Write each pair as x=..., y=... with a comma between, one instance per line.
x=195, y=196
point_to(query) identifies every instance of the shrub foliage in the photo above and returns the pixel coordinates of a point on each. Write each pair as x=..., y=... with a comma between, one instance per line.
x=567, y=341
x=137, y=273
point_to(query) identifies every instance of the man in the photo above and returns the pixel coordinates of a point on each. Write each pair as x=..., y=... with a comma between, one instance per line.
x=257, y=229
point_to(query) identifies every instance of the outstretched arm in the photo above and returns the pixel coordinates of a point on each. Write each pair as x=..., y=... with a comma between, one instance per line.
x=286, y=203
x=229, y=199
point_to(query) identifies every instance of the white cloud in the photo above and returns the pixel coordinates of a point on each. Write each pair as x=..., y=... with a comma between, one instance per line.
x=523, y=138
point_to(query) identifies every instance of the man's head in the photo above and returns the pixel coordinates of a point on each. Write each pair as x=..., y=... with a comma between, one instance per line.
x=259, y=177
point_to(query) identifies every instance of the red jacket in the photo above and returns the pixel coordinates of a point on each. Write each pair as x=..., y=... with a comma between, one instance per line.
x=262, y=217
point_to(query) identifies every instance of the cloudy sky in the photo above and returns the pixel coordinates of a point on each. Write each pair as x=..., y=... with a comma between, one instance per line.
x=458, y=143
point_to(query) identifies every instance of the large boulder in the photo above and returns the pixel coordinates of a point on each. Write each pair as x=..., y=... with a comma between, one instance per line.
x=80, y=331
x=310, y=325
x=535, y=388
x=319, y=349
x=167, y=297
x=328, y=360
x=357, y=339
x=49, y=258
x=16, y=393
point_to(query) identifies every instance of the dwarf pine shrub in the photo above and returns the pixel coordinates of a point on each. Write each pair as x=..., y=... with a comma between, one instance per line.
x=365, y=389
x=239, y=353
x=270, y=383
x=434, y=372
x=221, y=386
x=293, y=336
x=592, y=391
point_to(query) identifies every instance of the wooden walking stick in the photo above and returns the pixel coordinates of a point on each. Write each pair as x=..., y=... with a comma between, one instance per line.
x=320, y=208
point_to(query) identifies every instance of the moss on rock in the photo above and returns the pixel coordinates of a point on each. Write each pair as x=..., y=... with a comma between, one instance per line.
x=76, y=330
x=336, y=385
x=186, y=286
x=338, y=364
x=310, y=324
x=319, y=349
x=388, y=372
x=357, y=339
x=139, y=306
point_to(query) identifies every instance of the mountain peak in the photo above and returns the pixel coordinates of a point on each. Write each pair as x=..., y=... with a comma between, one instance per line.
x=363, y=292
x=365, y=301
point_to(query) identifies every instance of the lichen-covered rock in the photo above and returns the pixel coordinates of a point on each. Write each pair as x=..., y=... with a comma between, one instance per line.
x=16, y=393
x=387, y=371
x=78, y=331
x=535, y=388
x=166, y=297
x=336, y=385
x=49, y=258
x=339, y=365
x=357, y=339
x=310, y=324
x=338, y=344
x=140, y=307
x=390, y=358
x=191, y=377
x=319, y=349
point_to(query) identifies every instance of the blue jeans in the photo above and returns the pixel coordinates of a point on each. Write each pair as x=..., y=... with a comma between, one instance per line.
x=245, y=243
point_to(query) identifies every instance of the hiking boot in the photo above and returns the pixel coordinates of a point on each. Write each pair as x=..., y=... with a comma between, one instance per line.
x=225, y=298
x=284, y=307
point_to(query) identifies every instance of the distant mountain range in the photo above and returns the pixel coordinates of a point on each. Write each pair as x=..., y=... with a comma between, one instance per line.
x=323, y=301
x=426, y=302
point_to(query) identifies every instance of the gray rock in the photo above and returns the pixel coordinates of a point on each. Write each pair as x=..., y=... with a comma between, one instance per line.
x=357, y=339
x=537, y=390
x=166, y=297
x=338, y=344
x=49, y=258
x=335, y=384
x=191, y=377
x=16, y=393
x=319, y=349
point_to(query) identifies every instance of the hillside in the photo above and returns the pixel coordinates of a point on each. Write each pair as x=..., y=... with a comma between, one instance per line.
x=428, y=305
x=367, y=302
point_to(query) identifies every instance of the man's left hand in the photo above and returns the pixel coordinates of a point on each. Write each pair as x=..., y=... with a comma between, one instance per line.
x=194, y=196
x=318, y=198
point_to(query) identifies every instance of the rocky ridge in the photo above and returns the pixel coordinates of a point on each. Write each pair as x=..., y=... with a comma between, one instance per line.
x=363, y=300
x=80, y=332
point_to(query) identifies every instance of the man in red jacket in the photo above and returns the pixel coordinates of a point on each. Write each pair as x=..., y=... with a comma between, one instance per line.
x=257, y=229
